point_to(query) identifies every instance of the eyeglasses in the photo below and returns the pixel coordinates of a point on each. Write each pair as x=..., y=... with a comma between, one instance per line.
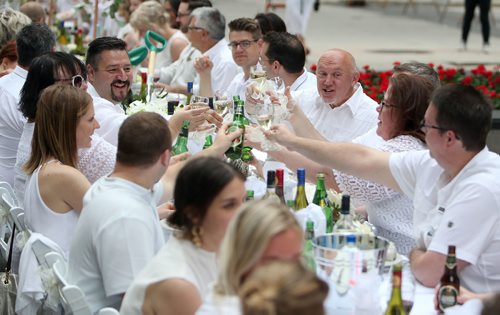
x=243, y=44
x=195, y=28
x=76, y=80
x=423, y=126
x=182, y=14
x=385, y=104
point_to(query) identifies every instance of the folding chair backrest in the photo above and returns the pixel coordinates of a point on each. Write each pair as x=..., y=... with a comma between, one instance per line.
x=10, y=191
x=72, y=296
x=18, y=216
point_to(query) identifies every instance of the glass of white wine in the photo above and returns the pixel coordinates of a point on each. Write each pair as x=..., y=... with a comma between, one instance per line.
x=198, y=101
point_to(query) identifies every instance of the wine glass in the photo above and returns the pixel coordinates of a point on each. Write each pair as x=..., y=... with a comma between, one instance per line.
x=198, y=101
x=264, y=114
x=223, y=106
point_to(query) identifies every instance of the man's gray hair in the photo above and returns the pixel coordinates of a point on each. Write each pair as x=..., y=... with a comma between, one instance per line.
x=212, y=20
x=420, y=69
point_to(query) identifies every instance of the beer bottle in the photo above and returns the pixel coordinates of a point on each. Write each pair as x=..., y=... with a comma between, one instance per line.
x=235, y=150
x=450, y=284
x=395, y=305
x=250, y=195
x=181, y=143
x=279, y=185
x=308, y=250
x=208, y=142
x=300, y=196
x=321, y=199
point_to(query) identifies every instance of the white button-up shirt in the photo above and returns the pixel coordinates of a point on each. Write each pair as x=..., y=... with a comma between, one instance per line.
x=464, y=212
x=110, y=116
x=342, y=123
x=11, y=121
x=306, y=81
x=182, y=70
x=224, y=69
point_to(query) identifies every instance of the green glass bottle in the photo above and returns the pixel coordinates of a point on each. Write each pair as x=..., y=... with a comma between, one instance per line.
x=344, y=223
x=245, y=120
x=308, y=250
x=246, y=155
x=181, y=143
x=300, y=197
x=395, y=305
x=321, y=199
x=271, y=187
x=250, y=195
x=236, y=149
x=189, y=92
x=279, y=185
x=208, y=142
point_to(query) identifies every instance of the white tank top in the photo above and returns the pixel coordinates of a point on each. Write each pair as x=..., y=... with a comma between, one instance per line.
x=59, y=227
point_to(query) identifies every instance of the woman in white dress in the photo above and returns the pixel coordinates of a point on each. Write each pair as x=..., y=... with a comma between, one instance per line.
x=54, y=191
x=207, y=194
x=261, y=232
x=400, y=114
x=151, y=15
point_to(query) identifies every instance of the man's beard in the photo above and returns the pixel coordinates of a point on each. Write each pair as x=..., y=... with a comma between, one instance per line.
x=119, y=97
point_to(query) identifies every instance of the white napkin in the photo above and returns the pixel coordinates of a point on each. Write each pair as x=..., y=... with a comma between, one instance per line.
x=317, y=216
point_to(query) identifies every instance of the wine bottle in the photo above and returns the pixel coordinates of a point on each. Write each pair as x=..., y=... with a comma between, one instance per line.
x=279, y=185
x=189, y=92
x=308, y=249
x=321, y=199
x=344, y=223
x=235, y=150
x=271, y=187
x=449, y=288
x=181, y=143
x=300, y=196
x=395, y=305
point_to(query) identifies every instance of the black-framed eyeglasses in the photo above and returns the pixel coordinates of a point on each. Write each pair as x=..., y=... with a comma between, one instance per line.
x=243, y=43
x=76, y=80
x=385, y=104
x=195, y=28
x=181, y=14
x=423, y=126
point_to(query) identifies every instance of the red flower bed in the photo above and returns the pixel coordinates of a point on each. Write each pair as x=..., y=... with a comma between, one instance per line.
x=486, y=81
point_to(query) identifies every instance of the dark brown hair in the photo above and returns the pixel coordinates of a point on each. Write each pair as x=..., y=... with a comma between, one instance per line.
x=245, y=25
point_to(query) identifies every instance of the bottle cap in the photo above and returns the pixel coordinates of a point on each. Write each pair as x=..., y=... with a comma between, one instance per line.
x=346, y=204
x=271, y=175
x=190, y=86
x=279, y=176
x=351, y=238
x=301, y=175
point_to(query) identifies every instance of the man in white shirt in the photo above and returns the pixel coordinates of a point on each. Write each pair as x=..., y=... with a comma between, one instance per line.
x=32, y=41
x=119, y=231
x=455, y=185
x=283, y=56
x=245, y=42
x=175, y=77
x=206, y=32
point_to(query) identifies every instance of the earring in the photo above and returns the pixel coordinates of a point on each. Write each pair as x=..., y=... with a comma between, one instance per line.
x=196, y=236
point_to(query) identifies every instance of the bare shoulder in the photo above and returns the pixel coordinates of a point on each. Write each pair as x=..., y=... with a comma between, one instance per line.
x=171, y=296
x=60, y=174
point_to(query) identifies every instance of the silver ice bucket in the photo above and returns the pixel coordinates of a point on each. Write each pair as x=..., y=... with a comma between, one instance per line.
x=372, y=251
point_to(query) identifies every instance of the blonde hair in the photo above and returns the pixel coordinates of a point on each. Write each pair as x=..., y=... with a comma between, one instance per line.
x=247, y=237
x=59, y=110
x=149, y=12
x=283, y=288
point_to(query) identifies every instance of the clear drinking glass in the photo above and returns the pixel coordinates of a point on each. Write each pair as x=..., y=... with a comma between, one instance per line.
x=198, y=101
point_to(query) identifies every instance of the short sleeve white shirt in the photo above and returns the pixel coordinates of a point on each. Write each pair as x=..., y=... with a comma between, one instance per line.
x=110, y=116
x=343, y=123
x=179, y=259
x=11, y=121
x=464, y=212
x=224, y=69
x=117, y=234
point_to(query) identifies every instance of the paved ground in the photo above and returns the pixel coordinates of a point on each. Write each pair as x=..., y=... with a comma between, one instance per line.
x=378, y=36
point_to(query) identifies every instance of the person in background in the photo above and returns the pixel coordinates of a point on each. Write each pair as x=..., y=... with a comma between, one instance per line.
x=11, y=22
x=8, y=58
x=270, y=21
x=54, y=191
x=151, y=15
x=262, y=231
x=484, y=10
x=283, y=288
x=33, y=40
x=34, y=11
x=172, y=7
x=208, y=193
x=245, y=42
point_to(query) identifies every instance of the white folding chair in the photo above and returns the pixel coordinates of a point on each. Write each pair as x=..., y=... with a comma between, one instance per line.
x=72, y=297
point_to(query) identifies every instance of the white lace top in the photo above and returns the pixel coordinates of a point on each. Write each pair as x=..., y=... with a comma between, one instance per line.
x=94, y=162
x=389, y=211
